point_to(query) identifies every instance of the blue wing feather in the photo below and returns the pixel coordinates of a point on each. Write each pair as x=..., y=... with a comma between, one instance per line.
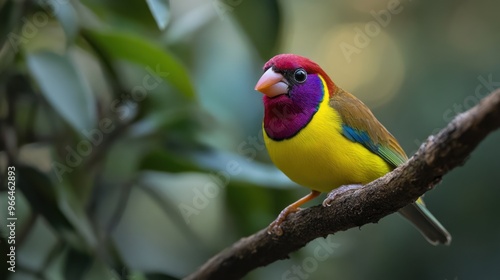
x=359, y=136
x=363, y=138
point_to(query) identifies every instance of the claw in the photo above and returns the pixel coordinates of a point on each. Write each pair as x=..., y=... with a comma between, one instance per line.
x=338, y=192
x=275, y=226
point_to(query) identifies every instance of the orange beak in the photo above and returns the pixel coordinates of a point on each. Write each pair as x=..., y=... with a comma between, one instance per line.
x=272, y=84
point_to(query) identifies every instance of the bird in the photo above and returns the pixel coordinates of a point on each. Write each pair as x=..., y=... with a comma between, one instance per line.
x=324, y=138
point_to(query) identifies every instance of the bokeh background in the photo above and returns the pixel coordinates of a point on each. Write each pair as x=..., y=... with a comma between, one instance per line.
x=135, y=132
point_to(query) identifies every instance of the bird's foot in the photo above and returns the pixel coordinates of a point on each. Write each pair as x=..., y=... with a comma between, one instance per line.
x=275, y=226
x=338, y=192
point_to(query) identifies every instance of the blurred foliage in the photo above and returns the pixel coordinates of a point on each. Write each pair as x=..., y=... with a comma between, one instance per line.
x=136, y=136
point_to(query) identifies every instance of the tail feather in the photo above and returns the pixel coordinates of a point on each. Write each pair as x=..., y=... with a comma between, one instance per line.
x=426, y=223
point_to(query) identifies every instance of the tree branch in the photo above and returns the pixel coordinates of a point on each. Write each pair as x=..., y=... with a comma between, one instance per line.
x=437, y=156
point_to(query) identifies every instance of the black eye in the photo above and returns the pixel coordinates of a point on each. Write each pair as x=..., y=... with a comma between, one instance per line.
x=300, y=75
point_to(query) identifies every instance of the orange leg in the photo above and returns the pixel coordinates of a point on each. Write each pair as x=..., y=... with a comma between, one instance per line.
x=275, y=227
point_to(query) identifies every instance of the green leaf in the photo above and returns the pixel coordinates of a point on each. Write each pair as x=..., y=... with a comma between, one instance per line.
x=240, y=169
x=160, y=11
x=67, y=17
x=65, y=90
x=131, y=15
x=162, y=160
x=228, y=166
x=154, y=58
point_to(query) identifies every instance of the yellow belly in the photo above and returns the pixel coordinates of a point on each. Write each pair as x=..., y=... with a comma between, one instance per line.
x=321, y=158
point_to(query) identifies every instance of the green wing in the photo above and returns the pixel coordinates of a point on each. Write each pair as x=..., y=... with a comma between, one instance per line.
x=360, y=125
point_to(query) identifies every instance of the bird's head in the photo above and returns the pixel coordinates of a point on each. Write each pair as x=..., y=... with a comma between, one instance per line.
x=293, y=87
x=289, y=75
